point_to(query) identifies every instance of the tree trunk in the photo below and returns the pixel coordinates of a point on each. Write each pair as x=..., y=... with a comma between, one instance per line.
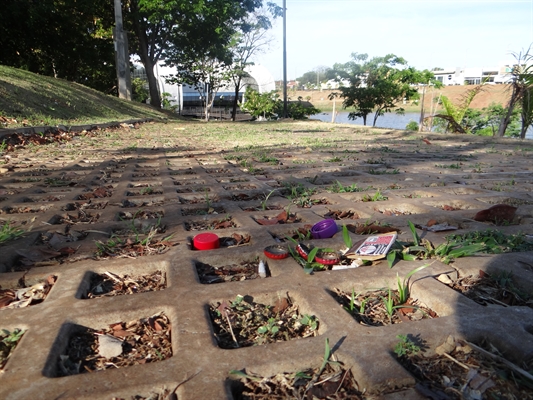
x=506, y=119
x=422, y=111
x=236, y=100
x=155, y=99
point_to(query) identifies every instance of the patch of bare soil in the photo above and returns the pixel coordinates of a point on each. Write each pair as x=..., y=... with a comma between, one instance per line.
x=244, y=270
x=330, y=381
x=281, y=218
x=466, y=371
x=341, y=214
x=109, y=284
x=244, y=322
x=223, y=223
x=382, y=307
x=487, y=288
x=120, y=345
x=371, y=228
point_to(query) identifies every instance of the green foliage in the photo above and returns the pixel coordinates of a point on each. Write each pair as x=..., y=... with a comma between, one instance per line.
x=454, y=114
x=9, y=232
x=68, y=40
x=340, y=188
x=269, y=106
x=412, y=126
x=260, y=104
x=8, y=342
x=139, y=91
x=405, y=346
x=378, y=196
x=376, y=85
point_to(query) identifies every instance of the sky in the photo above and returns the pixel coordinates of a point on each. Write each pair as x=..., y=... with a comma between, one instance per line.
x=427, y=33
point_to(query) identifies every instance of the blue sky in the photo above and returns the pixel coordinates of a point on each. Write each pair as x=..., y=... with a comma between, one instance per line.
x=427, y=33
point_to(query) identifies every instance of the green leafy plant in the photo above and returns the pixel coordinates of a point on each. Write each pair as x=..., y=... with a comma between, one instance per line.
x=403, y=285
x=346, y=237
x=264, y=202
x=9, y=232
x=271, y=327
x=340, y=188
x=405, y=346
x=8, y=342
x=378, y=196
x=310, y=321
x=383, y=172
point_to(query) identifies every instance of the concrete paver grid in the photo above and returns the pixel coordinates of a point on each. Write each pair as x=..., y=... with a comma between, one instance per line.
x=449, y=181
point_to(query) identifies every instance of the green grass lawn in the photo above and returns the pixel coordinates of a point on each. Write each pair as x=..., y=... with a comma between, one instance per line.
x=34, y=100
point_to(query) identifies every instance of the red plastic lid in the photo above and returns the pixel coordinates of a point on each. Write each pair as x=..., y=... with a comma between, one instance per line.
x=206, y=241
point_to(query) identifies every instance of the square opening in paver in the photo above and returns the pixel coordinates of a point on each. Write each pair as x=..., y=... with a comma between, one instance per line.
x=243, y=322
x=190, y=199
x=8, y=342
x=149, y=202
x=193, y=189
x=140, y=215
x=117, y=345
x=232, y=272
x=383, y=307
x=331, y=380
x=81, y=217
x=213, y=210
x=234, y=239
x=145, y=191
x=24, y=295
x=98, y=193
x=24, y=209
x=108, y=284
x=498, y=287
x=283, y=217
x=204, y=225
x=467, y=370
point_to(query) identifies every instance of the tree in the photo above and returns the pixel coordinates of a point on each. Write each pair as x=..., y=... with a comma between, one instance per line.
x=206, y=74
x=375, y=85
x=178, y=30
x=269, y=105
x=521, y=92
x=425, y=78
x=312, y=79
x=455, y=113
x=69, y=40
x=248, y=42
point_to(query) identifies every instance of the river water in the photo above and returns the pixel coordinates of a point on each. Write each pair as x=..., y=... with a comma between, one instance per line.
x=389, y=120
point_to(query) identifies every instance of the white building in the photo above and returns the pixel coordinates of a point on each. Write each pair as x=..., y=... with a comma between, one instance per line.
x=184, y=95
x=474, y=76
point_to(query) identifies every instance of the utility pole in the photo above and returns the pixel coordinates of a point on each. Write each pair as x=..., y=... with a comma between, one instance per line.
x=284, y=58
x=122, y=56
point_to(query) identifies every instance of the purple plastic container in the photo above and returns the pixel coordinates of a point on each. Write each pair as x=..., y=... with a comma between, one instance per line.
x=324, y=229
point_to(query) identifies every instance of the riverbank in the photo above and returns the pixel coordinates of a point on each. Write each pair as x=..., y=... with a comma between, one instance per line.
x=498, y=94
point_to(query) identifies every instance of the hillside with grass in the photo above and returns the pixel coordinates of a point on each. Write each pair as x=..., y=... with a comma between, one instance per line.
x=28, y=99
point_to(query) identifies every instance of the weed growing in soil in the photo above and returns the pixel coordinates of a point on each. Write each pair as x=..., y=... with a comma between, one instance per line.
x=405, y=347
x=8, y=342
x=330, y=380
x=8, y=232
x=383, y=172
x=378, y=196
x=244, y=322
x=340, y=188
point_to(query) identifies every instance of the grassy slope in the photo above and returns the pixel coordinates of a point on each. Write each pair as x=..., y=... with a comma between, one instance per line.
x=41, y=100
